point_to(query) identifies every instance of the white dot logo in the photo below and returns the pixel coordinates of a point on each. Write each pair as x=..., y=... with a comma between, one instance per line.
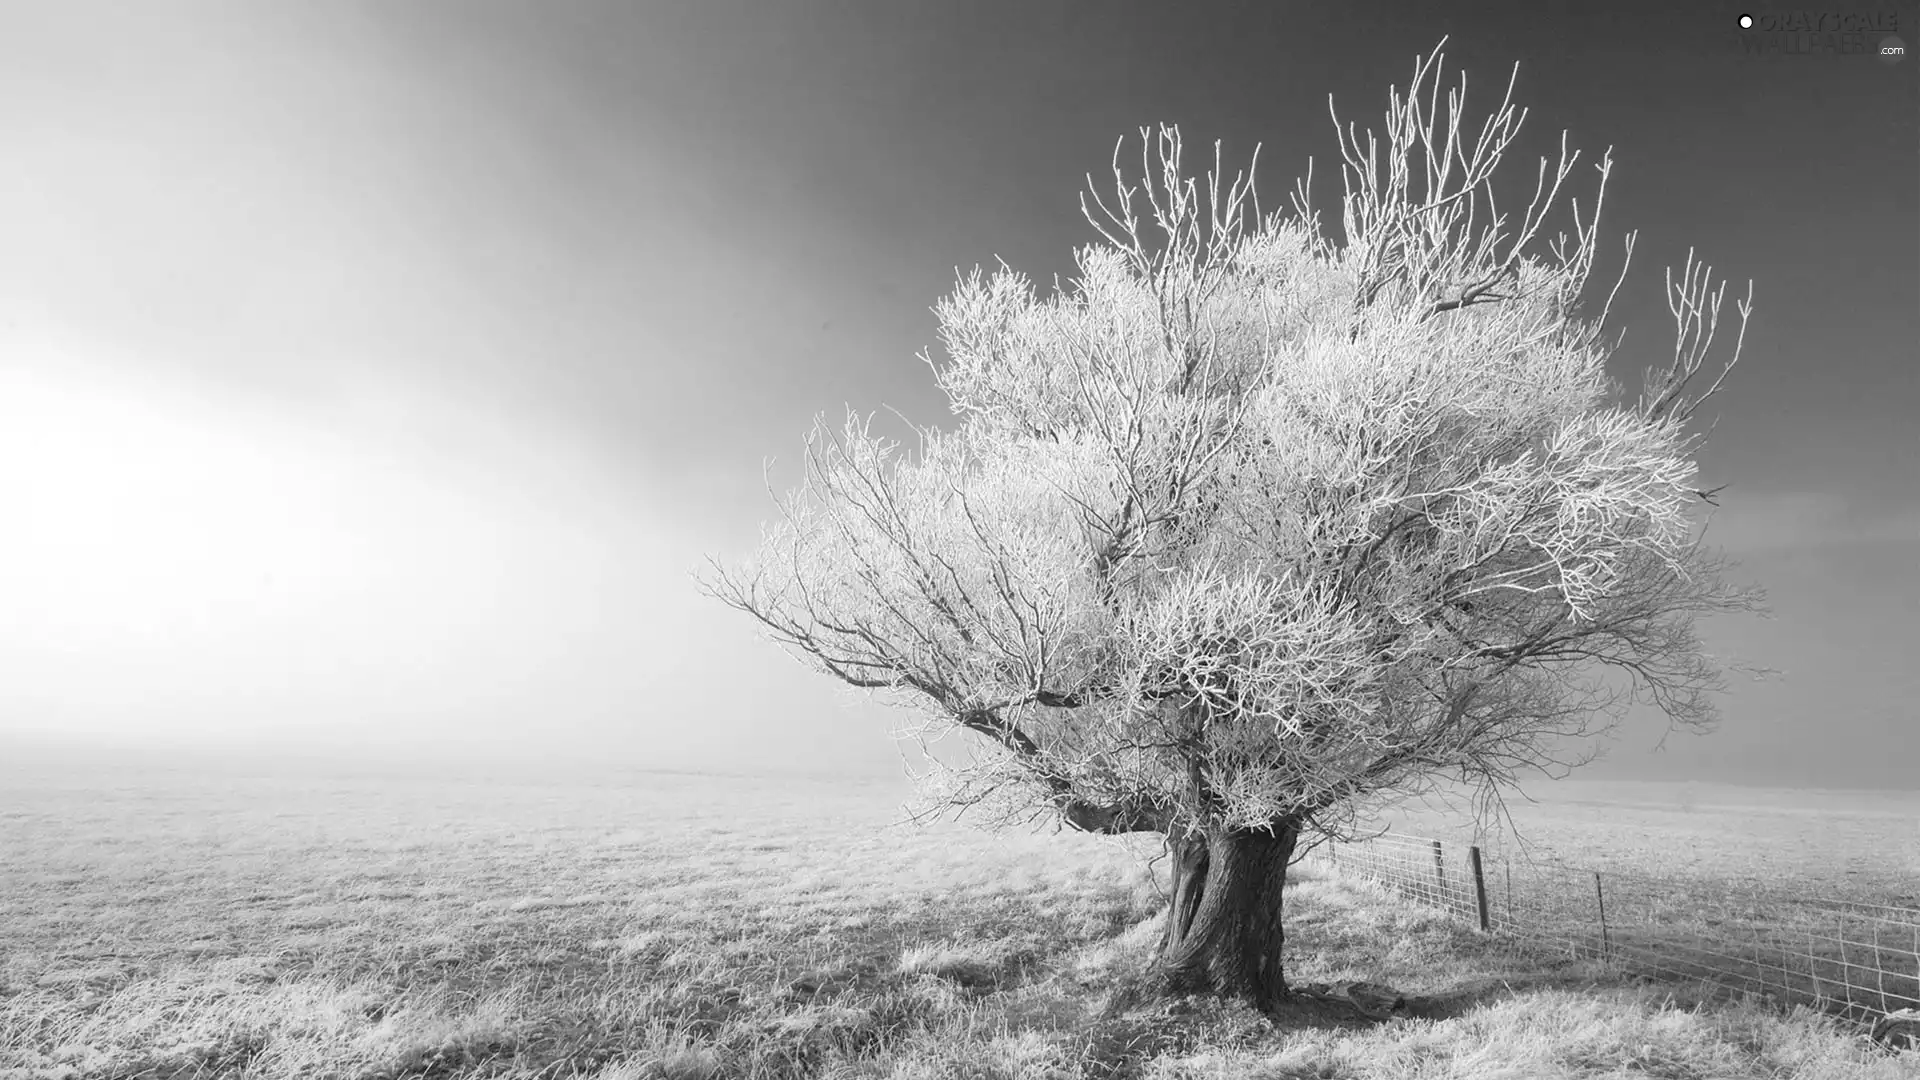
x=1746, y=22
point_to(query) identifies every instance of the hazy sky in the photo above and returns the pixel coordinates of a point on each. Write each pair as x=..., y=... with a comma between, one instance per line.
x=372, y=375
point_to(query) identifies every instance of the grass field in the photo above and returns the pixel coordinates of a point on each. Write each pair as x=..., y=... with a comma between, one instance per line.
x=186, y=923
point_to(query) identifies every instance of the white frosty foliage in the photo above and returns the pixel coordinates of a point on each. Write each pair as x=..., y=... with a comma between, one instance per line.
x=1244, y=525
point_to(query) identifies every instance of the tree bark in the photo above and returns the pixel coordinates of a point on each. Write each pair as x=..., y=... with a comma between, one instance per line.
x=1223, y=932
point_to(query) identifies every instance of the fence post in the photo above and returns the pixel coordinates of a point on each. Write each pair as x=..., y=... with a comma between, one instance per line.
x=1879, y=969
x=1813, y=974
x=1606, y=946
x=1508, y=867
x=1439, y=873
x=1479, y=888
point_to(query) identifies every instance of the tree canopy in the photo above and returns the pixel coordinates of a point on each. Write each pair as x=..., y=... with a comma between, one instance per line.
x=1244, y=525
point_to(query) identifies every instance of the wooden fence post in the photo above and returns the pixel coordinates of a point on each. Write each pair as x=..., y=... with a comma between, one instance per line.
x=1439, y=873
x=1508, y=868
x=1479, y=888
x=1879, y=969
x=1606, y=947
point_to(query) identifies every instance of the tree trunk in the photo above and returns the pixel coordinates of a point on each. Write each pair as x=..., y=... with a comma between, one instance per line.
x=1223, y=931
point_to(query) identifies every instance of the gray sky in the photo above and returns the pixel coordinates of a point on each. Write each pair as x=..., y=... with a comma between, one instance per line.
x=373, y=374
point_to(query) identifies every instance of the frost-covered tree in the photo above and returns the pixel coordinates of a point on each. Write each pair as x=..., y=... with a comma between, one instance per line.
x=1244, y=527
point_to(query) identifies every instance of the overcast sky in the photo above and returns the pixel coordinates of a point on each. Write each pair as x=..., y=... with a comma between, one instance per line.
x=372, y=375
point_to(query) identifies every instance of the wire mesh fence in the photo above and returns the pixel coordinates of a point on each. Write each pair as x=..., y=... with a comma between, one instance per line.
x=1860, y=961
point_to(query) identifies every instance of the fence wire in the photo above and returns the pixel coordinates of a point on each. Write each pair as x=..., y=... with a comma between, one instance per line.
x=1859, y=961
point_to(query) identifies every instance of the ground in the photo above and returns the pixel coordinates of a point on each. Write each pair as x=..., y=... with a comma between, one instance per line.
x=173, y=924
